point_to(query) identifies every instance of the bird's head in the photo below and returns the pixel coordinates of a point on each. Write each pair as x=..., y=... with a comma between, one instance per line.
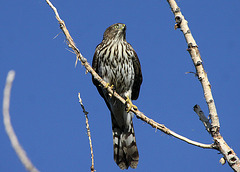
x=115, y=32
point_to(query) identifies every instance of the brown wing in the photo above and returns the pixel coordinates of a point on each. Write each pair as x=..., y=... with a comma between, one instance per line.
x=95, y=67
x=138, y=76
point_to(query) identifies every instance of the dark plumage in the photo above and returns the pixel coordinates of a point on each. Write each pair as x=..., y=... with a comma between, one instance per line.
x=117, y=63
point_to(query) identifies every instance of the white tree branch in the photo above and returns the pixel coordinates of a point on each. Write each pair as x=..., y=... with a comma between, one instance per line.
x=8, y=126
x=193, y=50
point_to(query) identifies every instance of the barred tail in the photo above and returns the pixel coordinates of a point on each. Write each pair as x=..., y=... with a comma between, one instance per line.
x=124, y=145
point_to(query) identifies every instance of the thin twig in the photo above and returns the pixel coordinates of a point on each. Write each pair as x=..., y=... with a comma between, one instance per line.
x=193, y=50
x=139, y=114
x=166, y=130
x=88, y=131
x=8, y=126
x=202, y=117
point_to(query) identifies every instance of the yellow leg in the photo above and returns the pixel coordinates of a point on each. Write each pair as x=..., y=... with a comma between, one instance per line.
x=106, y=85
x=112, y=86
x=130, y=105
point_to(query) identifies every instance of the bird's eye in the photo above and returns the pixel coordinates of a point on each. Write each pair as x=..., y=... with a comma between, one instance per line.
x=116, y=26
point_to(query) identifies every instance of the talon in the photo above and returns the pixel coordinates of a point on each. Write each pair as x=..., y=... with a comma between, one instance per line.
x=107, y=85
x=130, y=105
x=112, y=87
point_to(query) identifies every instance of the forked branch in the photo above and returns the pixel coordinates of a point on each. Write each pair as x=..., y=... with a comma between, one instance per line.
x=193, y=50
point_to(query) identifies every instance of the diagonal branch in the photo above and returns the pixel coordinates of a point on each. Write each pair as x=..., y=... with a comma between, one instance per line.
x=8, y=126
x=193, y=50
x=197, y=61
x=88, y=131
x=139, y=114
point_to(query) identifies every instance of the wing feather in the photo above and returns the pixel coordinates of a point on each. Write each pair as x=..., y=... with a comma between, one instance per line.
x=138, y=75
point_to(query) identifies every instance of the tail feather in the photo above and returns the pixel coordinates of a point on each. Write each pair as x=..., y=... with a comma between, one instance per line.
x=124, y=145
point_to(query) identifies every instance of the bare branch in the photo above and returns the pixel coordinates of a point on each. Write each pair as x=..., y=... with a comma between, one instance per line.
x=8, y=126
x=202, y=117
x=169, y=132
x=193, y=50
x=88, y=131
x=196, y=58
x=139, y=114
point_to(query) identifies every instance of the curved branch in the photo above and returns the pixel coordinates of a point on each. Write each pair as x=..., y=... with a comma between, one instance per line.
x=8, y=126
x=170, y=132
x=222, y=146
x=139, y=114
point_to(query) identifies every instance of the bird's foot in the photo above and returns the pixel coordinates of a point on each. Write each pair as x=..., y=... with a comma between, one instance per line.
x=107, y=85
x=130, y=105
x=112, y=87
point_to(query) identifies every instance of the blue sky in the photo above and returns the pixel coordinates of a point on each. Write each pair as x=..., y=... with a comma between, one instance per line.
x=44, y=109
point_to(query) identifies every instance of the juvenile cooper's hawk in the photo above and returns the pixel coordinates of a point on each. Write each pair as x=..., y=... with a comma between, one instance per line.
x=117, y=63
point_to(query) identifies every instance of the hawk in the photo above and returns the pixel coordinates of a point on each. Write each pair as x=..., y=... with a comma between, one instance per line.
x=117, y=63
